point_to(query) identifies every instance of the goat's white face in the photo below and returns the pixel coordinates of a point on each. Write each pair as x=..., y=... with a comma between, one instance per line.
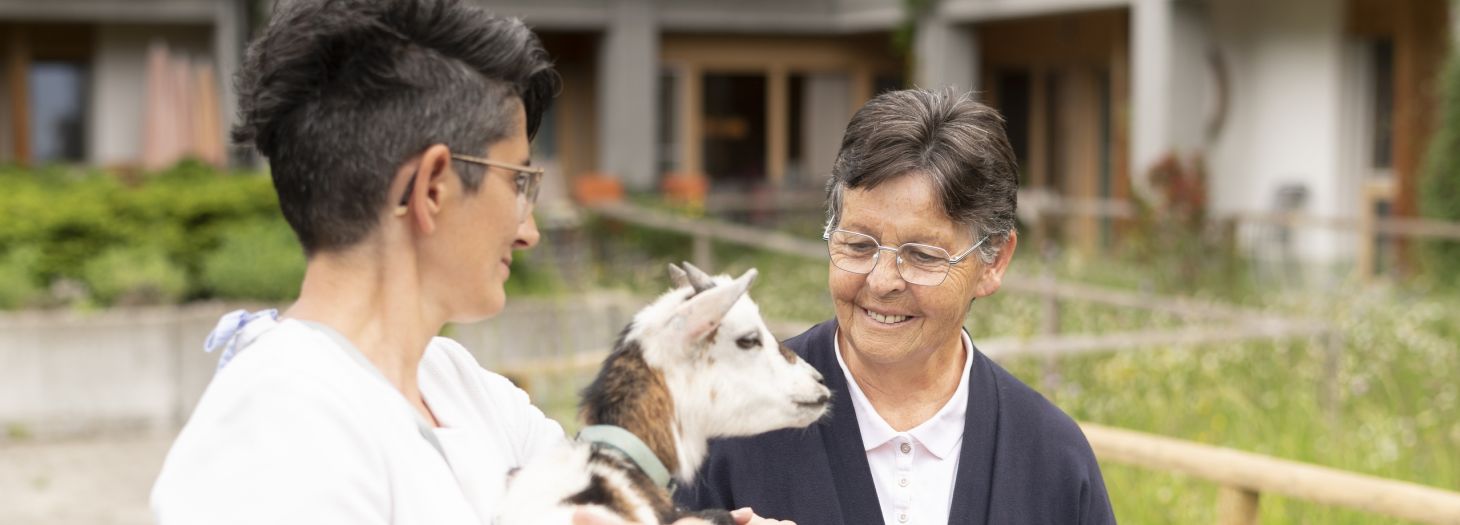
x=727, y=373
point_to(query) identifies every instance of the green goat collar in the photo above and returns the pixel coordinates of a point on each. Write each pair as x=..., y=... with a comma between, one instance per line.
x=631, y=447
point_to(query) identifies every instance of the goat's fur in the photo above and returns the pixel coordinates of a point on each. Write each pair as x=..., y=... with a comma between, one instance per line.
x=697, y=363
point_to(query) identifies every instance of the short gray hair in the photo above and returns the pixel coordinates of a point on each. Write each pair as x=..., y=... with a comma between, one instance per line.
x=339, y=93
x=959, y=144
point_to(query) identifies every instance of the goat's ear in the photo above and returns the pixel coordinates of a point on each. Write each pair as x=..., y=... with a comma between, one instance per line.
x=699, y=316
x=677, y=278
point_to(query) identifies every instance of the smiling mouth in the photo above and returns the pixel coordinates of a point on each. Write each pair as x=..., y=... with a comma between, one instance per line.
x=887, y=319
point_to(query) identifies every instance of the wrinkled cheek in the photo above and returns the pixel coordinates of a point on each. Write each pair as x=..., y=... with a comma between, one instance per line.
x=844, y=287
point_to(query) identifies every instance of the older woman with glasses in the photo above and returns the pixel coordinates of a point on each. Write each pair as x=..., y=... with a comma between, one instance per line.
x=924, y=428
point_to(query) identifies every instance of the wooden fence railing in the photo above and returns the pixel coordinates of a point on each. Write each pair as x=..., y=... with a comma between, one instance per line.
x=1243, y=476
x=1371, y=229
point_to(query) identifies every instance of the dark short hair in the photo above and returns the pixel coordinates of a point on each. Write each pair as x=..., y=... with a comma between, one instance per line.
x=338, y=93
x=959, y=144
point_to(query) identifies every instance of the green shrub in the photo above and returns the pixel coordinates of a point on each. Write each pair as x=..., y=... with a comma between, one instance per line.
x=65, y=217
x=258, y=259
x=18, y=286
x=132, y=275
x=1439, y=193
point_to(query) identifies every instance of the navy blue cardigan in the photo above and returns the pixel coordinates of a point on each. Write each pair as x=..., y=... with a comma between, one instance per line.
x=1022, y=460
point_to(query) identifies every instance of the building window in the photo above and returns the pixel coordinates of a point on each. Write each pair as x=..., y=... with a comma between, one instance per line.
x=58, y=111
x=1015, y=94
x=885, y=82
x=668, y=125
x=735, y=128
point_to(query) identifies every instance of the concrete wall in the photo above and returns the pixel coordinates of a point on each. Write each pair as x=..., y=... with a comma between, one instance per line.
x=825, y=111
x=1286, y=64
x=946, y=54
x=628, y=84
x=68, y=374
x=119, y=84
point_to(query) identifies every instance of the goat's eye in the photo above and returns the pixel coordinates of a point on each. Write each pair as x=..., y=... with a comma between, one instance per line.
x=748, y=342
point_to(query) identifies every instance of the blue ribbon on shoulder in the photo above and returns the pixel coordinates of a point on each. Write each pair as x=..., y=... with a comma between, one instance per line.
x=225, y=335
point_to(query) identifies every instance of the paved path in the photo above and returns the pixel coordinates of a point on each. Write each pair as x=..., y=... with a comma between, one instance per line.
x=92, y=482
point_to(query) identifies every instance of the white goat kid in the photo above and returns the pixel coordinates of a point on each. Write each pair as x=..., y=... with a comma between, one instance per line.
x=698, y=363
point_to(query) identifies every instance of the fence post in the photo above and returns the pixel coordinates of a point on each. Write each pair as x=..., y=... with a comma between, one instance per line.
x=704, y=251
x=1332, y=341
x=1050, y=380
x=1368, y=241
x=1236, y=506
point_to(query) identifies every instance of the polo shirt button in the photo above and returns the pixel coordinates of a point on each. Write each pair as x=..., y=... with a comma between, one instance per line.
x=902, y=518
x=906, y=448
x=902, y=482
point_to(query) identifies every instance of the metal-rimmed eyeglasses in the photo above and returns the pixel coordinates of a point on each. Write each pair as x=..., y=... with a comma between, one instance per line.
x=527, y=179
x=919, y=264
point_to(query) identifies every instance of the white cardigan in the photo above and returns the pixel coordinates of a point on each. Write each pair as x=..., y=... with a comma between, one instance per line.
x=296, y=430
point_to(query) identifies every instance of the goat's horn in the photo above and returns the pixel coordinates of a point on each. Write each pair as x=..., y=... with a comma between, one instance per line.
x=677, y=277
x=698, y=278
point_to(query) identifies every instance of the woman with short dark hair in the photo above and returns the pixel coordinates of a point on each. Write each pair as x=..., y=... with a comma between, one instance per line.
x=398, y=137
x=924, y=428
x=397, y=134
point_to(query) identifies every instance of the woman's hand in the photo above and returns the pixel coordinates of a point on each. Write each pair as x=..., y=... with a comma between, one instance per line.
x=597, y=516
x=746, y=516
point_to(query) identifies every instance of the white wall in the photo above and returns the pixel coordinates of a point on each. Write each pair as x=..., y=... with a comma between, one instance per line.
x=947, y=54
x=1170, y=84
x=65, y=373
x=1286, y=66
x=825, y=111
x=628, y=82
x=1190, y=76
x=119, y=83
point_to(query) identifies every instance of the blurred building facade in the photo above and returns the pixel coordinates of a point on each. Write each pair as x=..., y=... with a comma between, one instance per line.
x=1304, y=105
x=74, y=74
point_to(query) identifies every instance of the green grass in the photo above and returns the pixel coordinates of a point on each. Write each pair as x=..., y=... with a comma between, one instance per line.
x=1396, y=414
x=1397, y=410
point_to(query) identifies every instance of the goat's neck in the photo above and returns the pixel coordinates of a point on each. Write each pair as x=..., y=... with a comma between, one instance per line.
x=628, y=393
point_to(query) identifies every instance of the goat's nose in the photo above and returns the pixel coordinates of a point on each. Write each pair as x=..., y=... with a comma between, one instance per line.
x=817, y=374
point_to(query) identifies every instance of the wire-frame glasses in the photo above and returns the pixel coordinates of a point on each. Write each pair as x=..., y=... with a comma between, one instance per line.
x=919, y=264
x=527, y=179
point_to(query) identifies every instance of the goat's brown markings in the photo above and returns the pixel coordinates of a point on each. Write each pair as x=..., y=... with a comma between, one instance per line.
x=788, y=354
x=630, y=394
x=600, y=492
